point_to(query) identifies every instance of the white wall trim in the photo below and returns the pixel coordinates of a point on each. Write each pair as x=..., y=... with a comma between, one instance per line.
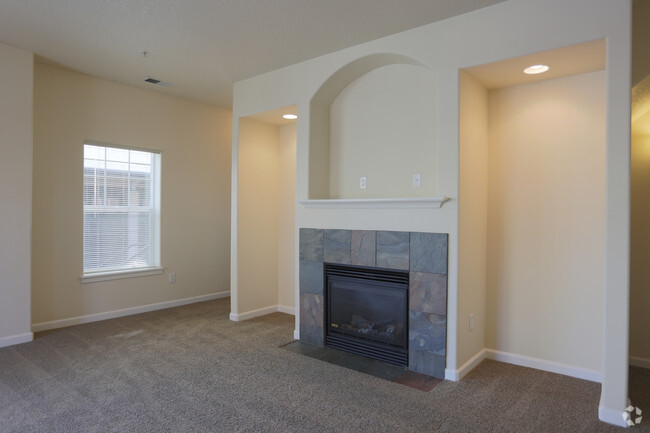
x=543, y=364
x=611, y=416
x=296, y=334
x=254, y=313
x=526, y=361
x=286, y=310
x=370, y=203
x=262, y=312
x=54, y=324
x=16, y=339
x=639, y=362
x=456, y=375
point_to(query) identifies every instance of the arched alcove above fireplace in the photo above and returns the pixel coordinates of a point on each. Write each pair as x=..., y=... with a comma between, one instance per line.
x=374, y=122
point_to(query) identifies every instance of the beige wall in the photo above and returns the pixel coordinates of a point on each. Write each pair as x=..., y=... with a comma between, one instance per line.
x=640, y=185
x=472, y=216
x=640, y=40
x=195, y=142
x=388, y=113
x=640, y=248
x=546, y=220
x=16, y=96
x=287, y=217
x=258, y=215
x=266, y=218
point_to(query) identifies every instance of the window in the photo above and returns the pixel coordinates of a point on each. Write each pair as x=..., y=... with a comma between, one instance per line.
x=121, y=210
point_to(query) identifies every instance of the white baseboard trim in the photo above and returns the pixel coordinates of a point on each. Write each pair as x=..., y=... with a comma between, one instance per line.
x=62, y=323
x=543, y=364
x=286, y=310
x=456, y=375
x=254, y=313
x=524, y=361
x=611, y=416
x=639, y=362
x=262, y=312
x=296, y=334
x=16, y=339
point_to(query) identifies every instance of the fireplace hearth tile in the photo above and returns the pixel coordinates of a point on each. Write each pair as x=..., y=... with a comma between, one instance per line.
x=427, y=363
x=427, y=332
x=355, y=362
x=394, y=373
x=393, y=250
x=301, y=348
x=429, y=253
x=428, y=293
x=336, y=246
x=384, y=370
x=363, y=248
x=311, y=277
x=417, y=380
x=311, y=245
x=330, y=355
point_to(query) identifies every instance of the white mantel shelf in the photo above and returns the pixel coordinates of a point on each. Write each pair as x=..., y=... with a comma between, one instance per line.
x=427, y=202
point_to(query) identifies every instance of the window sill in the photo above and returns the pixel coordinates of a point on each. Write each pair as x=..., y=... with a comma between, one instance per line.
x=117, y=275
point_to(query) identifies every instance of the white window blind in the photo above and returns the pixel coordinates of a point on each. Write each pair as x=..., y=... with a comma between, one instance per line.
x=121, y=209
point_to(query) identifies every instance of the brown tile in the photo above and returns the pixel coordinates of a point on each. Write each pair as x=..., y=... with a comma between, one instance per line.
x=364, y=245
x=428, y=293
x=417, y=380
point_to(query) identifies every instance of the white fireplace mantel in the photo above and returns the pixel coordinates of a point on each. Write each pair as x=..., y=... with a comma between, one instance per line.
x=426, y=202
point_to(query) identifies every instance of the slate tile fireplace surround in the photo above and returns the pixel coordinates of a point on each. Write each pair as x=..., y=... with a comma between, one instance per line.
x=422, y=255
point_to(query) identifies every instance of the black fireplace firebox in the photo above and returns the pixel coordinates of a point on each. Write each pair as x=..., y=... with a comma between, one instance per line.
x=367, y=312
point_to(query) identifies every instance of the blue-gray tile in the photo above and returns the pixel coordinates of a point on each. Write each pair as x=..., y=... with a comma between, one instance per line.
x=311, y=244
x=428, y=332
x=336, y=246
x=311, y=277
x=427, y=363
x=429, y=252
x=393, y=250
x=311, y=309
x=363, y=248
x=312, y=335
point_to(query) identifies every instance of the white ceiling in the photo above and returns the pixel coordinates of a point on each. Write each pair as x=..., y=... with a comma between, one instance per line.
x=274, y=117
x=570, y=60
x=204, y=46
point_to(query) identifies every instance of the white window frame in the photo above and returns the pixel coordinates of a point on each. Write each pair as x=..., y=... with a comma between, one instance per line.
x=154, y=267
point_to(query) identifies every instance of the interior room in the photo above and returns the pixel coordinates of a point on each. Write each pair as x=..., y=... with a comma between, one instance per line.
x=355, y=217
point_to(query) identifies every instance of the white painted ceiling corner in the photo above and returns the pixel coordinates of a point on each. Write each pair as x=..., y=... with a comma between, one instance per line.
x=204, y=46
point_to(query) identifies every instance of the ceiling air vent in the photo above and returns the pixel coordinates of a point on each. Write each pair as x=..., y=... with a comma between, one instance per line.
x=158, y=82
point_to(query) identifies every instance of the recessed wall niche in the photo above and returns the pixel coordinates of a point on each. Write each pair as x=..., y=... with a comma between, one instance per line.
x=374, y=118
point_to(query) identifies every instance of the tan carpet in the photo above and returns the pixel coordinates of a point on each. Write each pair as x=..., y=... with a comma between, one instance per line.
x=190, y=369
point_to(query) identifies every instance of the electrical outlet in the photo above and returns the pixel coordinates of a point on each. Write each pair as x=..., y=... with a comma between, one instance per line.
x=362, y=182
x=417, y=180
x=172, y=277
x=471, y=321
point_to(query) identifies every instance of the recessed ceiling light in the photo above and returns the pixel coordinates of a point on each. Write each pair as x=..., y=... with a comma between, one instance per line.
x=289, y=116
x=536, y=69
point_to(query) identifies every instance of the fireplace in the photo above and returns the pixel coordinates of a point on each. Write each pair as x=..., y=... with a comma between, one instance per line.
x=422, y=256
x=367, y=312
